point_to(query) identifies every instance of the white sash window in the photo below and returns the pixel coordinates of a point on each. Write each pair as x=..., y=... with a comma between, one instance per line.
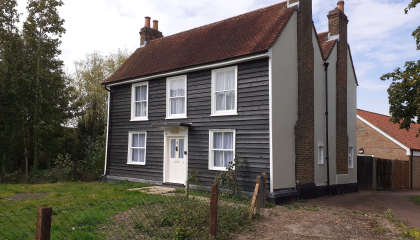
x=224, y=91
x=222, y=148
x=139, y=101
x=176, y=97
x=137, y=148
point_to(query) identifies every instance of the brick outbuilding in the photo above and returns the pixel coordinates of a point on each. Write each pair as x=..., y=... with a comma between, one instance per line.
x=379, y=137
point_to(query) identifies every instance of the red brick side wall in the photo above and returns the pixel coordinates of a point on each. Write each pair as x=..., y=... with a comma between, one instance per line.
x=416, y=173
x=377, y=144
x=304, y=128
x=338, y=25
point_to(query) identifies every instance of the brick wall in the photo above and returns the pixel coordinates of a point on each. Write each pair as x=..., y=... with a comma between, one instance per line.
x=148, y=34
x=338, y=26
x=377, y=144
x=416, y=173
x=304, y=128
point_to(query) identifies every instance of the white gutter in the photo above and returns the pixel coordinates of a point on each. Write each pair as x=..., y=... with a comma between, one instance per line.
x=214, y=65
x=407, y=149
x=107, y=131
x=270, y=104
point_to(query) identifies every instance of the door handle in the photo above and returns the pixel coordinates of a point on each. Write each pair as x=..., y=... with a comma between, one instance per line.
x=176, y=149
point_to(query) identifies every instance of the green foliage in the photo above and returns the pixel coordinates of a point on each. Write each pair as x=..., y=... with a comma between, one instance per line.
x=411, y=233
x=415, y=199
x=404, y=94
x=193, y=177
x=229, y=179
x=404, y=91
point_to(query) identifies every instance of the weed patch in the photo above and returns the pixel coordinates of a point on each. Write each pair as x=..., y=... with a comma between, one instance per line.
x=412, y=233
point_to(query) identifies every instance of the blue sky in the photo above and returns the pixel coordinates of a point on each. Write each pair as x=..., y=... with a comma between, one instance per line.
x=379, y=31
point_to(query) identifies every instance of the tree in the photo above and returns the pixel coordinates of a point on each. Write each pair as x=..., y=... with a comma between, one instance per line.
x=404, y=91
x=92, y=97
x=49, y=89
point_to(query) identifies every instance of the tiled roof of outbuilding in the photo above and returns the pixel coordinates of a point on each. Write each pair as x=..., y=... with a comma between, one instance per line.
x=326, y=46
x=249, y=33
x=408, y=138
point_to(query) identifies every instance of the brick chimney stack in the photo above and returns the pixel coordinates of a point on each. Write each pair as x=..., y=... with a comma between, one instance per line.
x=338, y=27
x=148, y=34
x=304, y=129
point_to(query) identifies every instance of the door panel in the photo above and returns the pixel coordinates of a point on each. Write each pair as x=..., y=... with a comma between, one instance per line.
x=176, y=161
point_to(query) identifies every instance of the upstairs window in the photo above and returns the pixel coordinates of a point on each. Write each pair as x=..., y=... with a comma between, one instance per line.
x=350, y=157
x=137, y=148
x=139, y=101
x=222, y=148
x=176, y=97
x=224, y=91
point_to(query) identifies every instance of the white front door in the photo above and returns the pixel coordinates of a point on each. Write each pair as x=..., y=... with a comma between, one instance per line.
x=176, y=163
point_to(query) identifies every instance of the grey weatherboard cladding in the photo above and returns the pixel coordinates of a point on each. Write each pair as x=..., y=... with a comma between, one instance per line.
x=251, y=124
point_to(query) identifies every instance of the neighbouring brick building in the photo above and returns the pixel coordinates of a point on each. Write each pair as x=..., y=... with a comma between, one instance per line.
x=379, y=137
x=264, y=84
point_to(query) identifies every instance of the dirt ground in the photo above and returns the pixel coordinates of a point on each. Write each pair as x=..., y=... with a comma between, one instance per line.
x=377, y=202
x=307, y=221
x=347, y=216
x=21, y=196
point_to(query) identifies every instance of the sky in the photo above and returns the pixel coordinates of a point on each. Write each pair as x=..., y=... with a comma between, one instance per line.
x=379, y=32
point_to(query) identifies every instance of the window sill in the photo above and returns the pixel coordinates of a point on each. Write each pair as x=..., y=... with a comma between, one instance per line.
x=218, y=169
x=139, y=119
x=176, y=117
x=223, y=114
x=131, y=163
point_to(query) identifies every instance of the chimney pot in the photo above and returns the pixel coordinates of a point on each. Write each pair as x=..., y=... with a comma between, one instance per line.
x=155, y=24
x=147, y=22
x=340, y=5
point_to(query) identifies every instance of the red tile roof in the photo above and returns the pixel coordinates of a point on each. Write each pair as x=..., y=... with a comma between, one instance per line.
x=249, y=33
x=326, y=46
x=408, y=138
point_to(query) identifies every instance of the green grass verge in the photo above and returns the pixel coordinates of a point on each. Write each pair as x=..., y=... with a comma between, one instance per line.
x=17, y=217
x=82, y=211
x=415, y=199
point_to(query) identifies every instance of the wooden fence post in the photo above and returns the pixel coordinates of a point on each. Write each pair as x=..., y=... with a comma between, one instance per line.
x=254, y=199
x=258, y=199
x=213, y=210
x=43, y=223
x=264, y=188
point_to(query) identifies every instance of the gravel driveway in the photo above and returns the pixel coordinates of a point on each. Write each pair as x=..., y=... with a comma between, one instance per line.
x=377, y=202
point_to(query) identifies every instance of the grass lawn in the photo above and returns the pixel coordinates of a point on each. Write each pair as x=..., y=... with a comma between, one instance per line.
x=64, y=194
x=108, y=211
x=415, y=199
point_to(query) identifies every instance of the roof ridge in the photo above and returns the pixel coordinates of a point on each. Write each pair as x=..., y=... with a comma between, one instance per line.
x=373, y=112
x=218, y=22
x=323, y=32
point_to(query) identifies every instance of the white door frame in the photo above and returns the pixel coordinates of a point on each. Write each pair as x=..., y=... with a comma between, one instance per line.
x=168, y=132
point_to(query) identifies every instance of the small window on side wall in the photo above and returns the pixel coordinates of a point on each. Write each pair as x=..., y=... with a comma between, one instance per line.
x=137, y=148
x=221, y=148
x=350, y=157
x=176, y=97
x=224, y=94
x=139, y=101
x=321, y=152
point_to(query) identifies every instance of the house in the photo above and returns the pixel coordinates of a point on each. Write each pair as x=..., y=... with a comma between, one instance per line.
x=257, y=85
x=378, y=137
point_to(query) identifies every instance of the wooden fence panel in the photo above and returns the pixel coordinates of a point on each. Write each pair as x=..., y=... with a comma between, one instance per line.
x=383, y=174
x=401, y=175
x=365, y=172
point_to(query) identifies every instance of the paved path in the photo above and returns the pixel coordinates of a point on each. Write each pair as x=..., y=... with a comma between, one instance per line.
x=378, y=202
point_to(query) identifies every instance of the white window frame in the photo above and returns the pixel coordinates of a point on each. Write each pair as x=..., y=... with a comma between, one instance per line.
x=351, y=156
x=321, y=153
x=168, y=105
x=133, y=105
x=130, y=140
x=213, y=92
x=211, y=153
